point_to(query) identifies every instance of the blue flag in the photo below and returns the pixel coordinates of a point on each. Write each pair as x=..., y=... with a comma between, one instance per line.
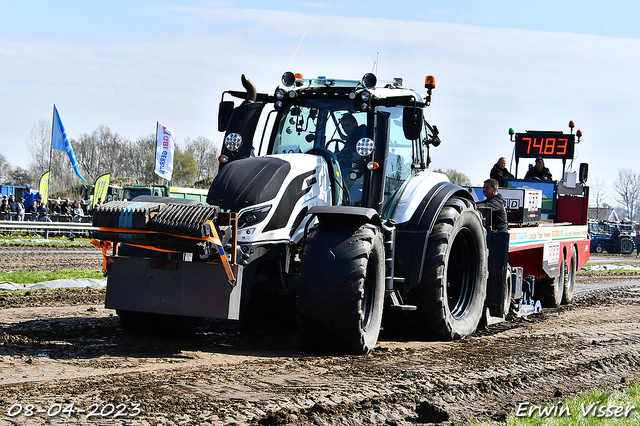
x=59, y=140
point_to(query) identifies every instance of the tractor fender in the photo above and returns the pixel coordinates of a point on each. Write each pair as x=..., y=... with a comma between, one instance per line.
x=412, y=235
x=341, y=215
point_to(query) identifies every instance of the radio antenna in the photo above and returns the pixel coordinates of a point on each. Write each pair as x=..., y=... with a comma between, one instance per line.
x=296, y=51
x=374, y=69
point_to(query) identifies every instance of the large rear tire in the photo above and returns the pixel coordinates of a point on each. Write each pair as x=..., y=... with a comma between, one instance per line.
x=626, y=245
x=451, y=295
x=341, y=289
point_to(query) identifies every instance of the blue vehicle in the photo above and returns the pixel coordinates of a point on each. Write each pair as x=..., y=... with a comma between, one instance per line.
x=620, y=244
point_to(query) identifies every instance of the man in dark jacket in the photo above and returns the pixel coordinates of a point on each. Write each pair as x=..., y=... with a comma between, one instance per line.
x=539, y=171
x=495, y=202
x=499, y=171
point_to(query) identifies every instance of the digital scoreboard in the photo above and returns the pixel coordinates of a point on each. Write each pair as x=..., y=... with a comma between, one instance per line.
x=545, y=145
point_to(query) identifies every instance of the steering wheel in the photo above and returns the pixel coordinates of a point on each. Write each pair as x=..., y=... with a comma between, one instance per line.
x=339, y=145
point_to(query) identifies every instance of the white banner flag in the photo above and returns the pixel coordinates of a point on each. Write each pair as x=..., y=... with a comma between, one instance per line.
x=166, y=139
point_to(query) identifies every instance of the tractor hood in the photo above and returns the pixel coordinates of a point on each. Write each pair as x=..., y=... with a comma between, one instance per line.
x=270, y=192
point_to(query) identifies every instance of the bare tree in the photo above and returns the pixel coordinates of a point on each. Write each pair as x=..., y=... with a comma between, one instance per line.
x=456, y=177
x=39, y=144
x=20, y=177
x=627, y=186
x=102, y=152
x=598, y=195
x=5, y=168
x=205, y=153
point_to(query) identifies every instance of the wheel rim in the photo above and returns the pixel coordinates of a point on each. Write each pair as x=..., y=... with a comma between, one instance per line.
x=461, y=273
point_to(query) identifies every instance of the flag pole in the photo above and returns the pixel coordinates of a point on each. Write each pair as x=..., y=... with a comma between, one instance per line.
x=53, y=119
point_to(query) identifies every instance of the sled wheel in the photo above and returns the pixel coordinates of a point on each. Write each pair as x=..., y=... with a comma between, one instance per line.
x=506, y=291
x=341, y=289
x=599, y=249
x=552, y=289
x=451, y=295
x=569, y=285
x=143, y=323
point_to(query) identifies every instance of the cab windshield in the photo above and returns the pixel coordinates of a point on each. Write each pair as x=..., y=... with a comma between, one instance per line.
x=330, y=129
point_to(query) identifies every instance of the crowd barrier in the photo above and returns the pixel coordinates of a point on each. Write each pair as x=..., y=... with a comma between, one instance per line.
x=72, y=229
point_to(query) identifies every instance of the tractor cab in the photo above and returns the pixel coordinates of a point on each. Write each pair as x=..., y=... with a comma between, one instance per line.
x=357, y=127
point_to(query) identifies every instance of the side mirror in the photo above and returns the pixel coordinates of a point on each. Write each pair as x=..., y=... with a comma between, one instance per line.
x=435, y=140
x=412, y=123
x=224, y=113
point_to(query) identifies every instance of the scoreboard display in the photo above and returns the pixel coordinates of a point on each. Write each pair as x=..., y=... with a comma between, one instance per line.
x=545, y=145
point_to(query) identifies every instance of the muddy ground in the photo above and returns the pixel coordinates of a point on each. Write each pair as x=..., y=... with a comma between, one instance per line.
x=61, y=350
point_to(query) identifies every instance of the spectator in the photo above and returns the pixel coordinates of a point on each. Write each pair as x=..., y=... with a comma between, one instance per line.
x=98, y=204
x=20, y=209
x=499, y=171
x=65, y=208
x=13, y=207
x=32, y=210
x=55, y=209
x=5, y=209
x=43, y=213
x=76, y=211
x=85, y=207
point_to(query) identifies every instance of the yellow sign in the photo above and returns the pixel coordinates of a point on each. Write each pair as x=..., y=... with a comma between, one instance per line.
x=100, y=189
x=44, y=187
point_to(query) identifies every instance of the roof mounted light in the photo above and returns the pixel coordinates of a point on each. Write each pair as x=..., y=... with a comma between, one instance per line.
x=430, y=82
x=571, y=125
x=288, y=79
x=579, y=135
x=511, y=133
x=369, y=80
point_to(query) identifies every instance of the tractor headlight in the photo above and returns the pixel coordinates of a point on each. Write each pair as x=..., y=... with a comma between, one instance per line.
x=253, y=216
x=279, y=94
x=365, y=95
x=364, y=147
x=233, y=141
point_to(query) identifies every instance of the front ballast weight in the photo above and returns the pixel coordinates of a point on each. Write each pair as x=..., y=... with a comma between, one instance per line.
x=200, y=230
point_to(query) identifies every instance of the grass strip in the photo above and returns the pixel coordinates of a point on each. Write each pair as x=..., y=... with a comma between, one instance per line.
x=32, y=277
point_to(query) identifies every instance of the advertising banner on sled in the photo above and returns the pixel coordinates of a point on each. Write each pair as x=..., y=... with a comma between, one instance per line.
x=165, y=138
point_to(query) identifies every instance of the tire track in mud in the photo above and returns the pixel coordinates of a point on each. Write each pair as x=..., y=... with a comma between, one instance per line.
x=49, y=258
x=593, y=343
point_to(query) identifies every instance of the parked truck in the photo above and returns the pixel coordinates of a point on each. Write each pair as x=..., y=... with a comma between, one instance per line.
x=343, y=221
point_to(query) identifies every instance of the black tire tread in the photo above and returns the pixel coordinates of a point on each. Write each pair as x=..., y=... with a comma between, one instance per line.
x=334, y=265
x=432, y=320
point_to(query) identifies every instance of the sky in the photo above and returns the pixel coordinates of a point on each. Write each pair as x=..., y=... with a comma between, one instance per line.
x=498, y=65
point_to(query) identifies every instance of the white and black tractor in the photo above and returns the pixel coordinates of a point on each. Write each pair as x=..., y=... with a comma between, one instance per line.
x=341, y=221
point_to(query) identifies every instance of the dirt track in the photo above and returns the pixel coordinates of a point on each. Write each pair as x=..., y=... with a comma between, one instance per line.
x=62, y=348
